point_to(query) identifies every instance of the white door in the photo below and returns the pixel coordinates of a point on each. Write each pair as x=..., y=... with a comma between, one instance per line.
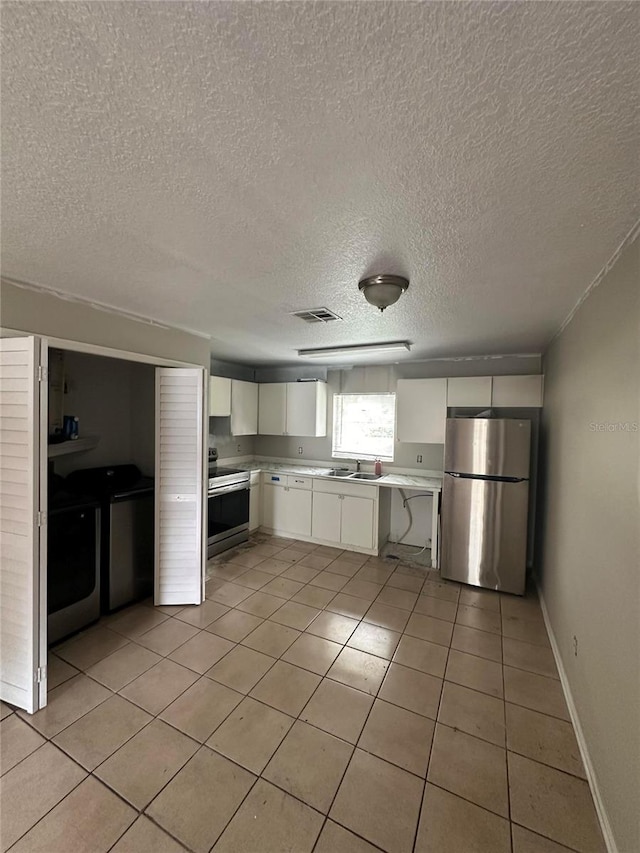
x=254, y=501
x=357, y=522
x=517, y=391
x=219, y=397
x=23, y=575
x=267, y=510
x=297, y=519
x=179, y=508
x=469, y=391
x=244, y=407
x=326, y=517
x=301, y=408
x=421, y=410
x=272, y=407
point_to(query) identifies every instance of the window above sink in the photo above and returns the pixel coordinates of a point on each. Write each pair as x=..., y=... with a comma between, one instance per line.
x=363, y=427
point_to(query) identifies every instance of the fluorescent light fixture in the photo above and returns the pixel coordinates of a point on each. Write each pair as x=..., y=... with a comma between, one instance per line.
x=358, y=349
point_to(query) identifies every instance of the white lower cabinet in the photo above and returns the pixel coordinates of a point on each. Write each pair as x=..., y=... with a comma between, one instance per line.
x=319, y=509
x=254, y=501
x=286, y=509
x=357, y=527
x=326, y=517
x=345, y=519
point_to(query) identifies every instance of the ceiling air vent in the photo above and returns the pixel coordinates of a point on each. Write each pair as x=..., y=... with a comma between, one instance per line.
x=316, y=315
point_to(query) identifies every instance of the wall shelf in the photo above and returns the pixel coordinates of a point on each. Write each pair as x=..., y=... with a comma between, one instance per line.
x=77, y=445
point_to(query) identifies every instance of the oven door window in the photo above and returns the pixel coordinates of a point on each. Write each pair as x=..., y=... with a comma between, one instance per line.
x=227, y=511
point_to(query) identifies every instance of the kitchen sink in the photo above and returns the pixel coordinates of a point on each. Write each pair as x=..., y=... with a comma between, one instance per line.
x=346, y=474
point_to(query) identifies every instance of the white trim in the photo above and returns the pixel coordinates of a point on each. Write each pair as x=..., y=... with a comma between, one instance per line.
x=601, y=812
x=42, y=460
x=628, y=240
x=97, y=349
x=103, y=306
x=124, y=355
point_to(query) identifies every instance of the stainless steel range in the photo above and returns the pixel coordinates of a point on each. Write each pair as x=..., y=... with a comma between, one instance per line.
x=227, y=507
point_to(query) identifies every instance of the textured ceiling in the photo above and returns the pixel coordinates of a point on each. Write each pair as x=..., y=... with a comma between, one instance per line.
x=217, y=165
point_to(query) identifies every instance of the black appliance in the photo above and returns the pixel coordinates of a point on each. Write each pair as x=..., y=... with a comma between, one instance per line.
x=73, y=562
x=227, y=507
x=127, y=532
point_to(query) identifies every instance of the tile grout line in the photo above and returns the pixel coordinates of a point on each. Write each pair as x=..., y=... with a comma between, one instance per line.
x=344, y=645
x=506, y=741
x=433, y=738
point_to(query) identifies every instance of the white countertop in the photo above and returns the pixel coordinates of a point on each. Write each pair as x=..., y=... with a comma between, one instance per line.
x=414, y=482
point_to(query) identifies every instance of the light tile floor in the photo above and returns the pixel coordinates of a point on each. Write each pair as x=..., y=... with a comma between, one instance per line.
x=318, y=701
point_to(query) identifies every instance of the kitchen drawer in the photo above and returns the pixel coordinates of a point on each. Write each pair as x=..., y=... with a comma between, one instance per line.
x=274, y=479
x=344, y=487
x=295, y=481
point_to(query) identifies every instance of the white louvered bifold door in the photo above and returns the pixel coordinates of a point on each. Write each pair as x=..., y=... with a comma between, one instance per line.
x=20, y=607
x=179, y=551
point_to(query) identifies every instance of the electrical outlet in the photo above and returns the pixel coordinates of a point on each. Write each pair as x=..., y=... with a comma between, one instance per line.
x=300, y=450
x=239, y=448
x=575, y=646
x=419, y=457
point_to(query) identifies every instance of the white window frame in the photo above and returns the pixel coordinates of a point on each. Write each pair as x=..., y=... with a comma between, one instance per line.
x=358, y=453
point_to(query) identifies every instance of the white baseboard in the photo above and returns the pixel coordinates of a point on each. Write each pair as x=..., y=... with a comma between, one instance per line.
x=605, y=826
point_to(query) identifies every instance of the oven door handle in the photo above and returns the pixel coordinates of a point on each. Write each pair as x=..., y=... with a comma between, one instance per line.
x=223, y=490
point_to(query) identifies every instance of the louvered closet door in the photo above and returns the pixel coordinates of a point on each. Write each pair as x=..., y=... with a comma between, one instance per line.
x=179, y=552
x=20, y=612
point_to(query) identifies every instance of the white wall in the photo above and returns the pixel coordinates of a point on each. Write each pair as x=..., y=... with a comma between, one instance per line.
x=590, y=571
x=42, y=313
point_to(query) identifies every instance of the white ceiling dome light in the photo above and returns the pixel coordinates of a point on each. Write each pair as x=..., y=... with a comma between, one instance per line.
x=383, y=290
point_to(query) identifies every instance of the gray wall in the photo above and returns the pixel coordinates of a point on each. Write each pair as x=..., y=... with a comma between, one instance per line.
x=42, y=313
x=384, y=378
x=114, y=400
x=229, y=445
x=590, y=571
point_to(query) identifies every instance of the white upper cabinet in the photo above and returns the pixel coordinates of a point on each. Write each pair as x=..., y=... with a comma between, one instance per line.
x=472, y=391
x=244, y=407
x=219, y=397
x=293, y=408
x=517, y=391
x=272, y=408
x=421, y=410
x=306, y=408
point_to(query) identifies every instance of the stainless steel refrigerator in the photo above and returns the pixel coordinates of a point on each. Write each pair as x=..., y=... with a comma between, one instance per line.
x=485, y=497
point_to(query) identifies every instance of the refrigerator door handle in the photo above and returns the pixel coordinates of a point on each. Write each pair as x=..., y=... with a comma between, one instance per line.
x=486, y=477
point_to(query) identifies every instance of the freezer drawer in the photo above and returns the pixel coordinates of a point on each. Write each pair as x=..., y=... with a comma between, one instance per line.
x=484, y=533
